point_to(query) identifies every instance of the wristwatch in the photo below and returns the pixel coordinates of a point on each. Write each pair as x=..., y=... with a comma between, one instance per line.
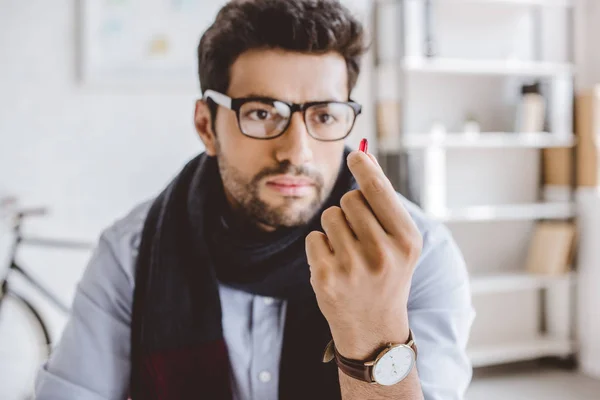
x=392, y=364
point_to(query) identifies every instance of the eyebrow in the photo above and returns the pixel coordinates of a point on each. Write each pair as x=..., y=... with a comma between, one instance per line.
x=260, y=96
x=266, y=97
x=256, y=94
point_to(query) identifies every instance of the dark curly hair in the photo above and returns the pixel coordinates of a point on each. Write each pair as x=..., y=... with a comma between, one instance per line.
x=308, y=26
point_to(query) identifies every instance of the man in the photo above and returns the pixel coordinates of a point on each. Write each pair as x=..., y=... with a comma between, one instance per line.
x=232, y=282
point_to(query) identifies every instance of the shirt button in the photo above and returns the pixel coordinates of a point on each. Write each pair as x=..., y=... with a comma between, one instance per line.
x=269, y=301
x=264, y=376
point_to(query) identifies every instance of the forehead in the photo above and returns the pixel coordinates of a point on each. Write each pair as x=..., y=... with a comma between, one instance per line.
x=289, y=76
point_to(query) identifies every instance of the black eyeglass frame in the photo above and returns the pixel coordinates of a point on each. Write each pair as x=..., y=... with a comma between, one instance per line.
x=235, y=105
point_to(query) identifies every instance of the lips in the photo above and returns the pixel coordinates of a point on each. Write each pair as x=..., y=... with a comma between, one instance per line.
x=291, y=185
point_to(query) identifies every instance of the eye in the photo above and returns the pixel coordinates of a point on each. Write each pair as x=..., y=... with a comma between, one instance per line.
x=325, y=118
x=258, y=115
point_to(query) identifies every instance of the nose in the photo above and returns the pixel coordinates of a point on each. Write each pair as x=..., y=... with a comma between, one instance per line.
x=294, y=144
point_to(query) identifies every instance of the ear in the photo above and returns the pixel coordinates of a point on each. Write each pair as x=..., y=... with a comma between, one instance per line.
x=203, y=123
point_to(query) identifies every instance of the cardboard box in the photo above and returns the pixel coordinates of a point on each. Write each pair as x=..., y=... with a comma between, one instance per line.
x=558, y=166
x=551, y=248
x=558, y=174
x=588, y=138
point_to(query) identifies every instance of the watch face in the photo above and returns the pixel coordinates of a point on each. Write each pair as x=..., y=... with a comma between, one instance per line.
x=394, y=365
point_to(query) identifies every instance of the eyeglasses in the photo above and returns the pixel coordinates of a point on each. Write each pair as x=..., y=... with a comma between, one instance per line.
x=265, y=118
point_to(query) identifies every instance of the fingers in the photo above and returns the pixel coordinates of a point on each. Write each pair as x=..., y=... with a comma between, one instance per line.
x=360, y=216
x=317, y=247
x=338, y=232
x=372, y=157
x=380, y=194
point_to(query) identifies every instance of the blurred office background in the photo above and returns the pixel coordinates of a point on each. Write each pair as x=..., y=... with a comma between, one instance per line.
x=482, y=111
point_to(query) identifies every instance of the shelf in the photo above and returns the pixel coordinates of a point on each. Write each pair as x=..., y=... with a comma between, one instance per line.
x=516, y=281
x=543, y=346
x=537, y=140
x=509, y=212
x=544, y=3
x=486, y=67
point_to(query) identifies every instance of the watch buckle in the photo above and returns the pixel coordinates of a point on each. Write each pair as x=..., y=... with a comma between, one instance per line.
x=329, y=352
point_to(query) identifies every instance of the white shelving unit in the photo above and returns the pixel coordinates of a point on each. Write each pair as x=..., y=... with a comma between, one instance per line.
x=413, y=63
x=545, y=3
x=516, y=281
x=485, y=67
x=499, y=140
x=507, y=212
x=502, y=353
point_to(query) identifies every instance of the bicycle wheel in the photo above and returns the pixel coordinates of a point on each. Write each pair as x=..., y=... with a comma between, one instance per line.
x=24, y=346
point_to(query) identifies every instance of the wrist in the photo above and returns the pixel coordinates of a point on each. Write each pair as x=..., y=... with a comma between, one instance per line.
x=365, y=343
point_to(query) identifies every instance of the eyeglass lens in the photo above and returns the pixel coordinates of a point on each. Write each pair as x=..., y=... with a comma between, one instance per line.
x=329, y=121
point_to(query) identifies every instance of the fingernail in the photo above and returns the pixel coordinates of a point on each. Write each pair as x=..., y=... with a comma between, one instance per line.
x=364, y=145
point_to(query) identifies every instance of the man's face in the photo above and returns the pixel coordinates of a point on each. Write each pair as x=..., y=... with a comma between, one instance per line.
x=284, y=181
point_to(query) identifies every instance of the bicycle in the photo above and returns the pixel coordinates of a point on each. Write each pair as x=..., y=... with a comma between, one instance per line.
x=24, y=349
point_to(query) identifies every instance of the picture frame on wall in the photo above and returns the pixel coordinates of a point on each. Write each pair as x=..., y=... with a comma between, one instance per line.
x=146, y=44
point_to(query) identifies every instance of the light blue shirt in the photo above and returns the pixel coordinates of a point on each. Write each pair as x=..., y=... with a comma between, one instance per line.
x=92, y=360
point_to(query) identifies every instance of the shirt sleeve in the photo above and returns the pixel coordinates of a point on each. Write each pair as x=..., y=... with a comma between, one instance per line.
x=440, y=316
x=91, y=361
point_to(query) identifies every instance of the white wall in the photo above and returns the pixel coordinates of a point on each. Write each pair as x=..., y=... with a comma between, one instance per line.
x=587, y=31
x=87, y=154
x=589, y=282
x=589, y=208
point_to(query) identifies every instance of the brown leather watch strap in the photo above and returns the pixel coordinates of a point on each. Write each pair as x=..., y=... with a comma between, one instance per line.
x=361, y=370
x=355, y=369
